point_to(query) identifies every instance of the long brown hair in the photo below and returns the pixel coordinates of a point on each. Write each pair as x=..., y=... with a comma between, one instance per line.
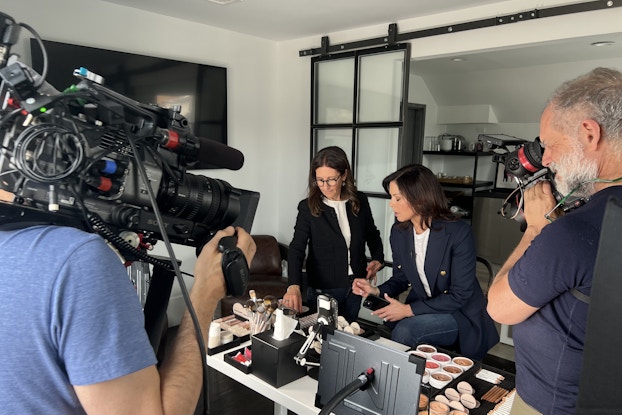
x=335, y=158
x=421, y=189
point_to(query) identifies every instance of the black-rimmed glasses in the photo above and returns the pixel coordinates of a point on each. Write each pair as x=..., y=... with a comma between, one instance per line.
x=331, y=181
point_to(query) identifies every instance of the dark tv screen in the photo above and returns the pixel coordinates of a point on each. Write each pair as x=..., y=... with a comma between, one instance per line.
x=201, y=90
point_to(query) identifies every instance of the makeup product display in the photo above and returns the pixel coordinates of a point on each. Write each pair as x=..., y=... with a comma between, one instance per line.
x=474, y=388
x=241, y=359
x=259, y=312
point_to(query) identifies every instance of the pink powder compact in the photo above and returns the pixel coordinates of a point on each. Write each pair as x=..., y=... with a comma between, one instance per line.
x=442, y=358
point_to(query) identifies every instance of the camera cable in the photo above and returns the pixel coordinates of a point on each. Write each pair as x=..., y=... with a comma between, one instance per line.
x=182, y=284
x=360, y=383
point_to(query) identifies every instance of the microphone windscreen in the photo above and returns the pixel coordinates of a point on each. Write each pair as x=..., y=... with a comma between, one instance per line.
x=213, y=154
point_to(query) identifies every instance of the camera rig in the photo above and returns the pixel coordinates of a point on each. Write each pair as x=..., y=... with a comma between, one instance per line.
x=524, y=165
x=91, y=158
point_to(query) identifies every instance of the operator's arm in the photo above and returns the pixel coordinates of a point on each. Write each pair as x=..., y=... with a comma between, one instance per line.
x=503, y=305
x=176, y=388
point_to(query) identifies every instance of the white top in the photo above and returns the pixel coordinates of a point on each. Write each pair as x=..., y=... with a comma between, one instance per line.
x=344, y=225
x=421, y=247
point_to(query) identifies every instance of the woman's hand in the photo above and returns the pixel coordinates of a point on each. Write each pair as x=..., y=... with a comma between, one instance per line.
x=363, y=287
x=372, y=268
x=394, y=311
x=293, y=298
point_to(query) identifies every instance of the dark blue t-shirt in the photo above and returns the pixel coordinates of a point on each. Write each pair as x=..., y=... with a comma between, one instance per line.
x=549, y=344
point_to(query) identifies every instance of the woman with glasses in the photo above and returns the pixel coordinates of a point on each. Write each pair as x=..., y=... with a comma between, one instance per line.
x=334, y=223
x=433, y=256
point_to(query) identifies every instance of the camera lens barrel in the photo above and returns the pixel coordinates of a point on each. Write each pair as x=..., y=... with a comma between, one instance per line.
x=212, y=202
x=525, y=160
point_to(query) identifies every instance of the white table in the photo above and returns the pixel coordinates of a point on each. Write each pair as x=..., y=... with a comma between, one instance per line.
x=297, y=396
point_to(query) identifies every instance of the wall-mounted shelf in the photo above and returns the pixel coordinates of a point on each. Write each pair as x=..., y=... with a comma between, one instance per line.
x=461, y=174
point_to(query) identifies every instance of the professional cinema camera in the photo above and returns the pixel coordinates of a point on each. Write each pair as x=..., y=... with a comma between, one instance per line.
x=523, y=164
x=94, y=159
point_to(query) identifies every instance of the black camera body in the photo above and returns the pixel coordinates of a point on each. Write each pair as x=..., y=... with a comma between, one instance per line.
x=94, y=159
x=66, y=154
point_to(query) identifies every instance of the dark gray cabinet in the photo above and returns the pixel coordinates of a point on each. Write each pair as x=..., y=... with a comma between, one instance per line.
x=496, y=237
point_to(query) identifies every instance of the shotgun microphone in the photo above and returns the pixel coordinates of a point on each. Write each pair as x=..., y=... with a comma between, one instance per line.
x=214, y=154
x=203, y=153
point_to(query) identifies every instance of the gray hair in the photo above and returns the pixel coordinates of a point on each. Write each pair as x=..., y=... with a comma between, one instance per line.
x=596, y=95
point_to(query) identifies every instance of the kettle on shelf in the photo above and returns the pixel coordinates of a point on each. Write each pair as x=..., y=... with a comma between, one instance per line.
x=451, y=142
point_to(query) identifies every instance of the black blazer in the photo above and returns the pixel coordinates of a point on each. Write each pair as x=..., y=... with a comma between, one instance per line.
x=327, y=260
x=450, y=269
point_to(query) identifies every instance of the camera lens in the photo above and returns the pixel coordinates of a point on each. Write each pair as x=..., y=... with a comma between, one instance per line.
x=525, y=160
x=201, y=199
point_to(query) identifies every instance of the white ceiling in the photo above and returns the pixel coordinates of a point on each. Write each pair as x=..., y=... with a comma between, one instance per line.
x=295, y=19
x=481, y=78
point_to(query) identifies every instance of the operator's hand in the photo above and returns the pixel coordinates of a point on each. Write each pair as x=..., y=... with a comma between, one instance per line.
x=394, y=311
x=539, y=201
x=372, y=268
x=246, y=243
x=208, y=267
x=362, y=287
x=293, y=298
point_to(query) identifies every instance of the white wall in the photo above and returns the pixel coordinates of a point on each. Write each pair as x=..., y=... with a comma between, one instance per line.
x=252, y=82
x=269, y=84
x=293, y=92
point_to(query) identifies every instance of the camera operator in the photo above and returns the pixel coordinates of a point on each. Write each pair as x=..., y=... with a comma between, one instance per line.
x=544, y=286
x=73, y=330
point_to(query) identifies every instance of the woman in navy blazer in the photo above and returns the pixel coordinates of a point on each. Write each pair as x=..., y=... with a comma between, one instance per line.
x=433, y=255
x=335, y=223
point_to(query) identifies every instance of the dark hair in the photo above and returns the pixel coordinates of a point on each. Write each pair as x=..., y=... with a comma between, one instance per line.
x=335, y=158
x=421, y=189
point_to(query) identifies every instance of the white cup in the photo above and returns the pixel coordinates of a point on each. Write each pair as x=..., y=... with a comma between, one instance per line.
x=447, y=144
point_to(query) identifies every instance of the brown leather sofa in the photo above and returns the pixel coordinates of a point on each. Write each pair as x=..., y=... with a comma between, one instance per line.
x=265, y=273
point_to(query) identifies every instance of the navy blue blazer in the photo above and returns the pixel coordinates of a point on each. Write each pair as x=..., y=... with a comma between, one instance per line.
x=327, y=259
x=450, y=269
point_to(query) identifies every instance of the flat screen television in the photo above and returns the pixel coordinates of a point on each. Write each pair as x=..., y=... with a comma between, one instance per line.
x=201, y=90
x=397, y=375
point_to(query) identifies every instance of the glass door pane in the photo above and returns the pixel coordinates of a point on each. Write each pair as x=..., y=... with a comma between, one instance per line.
x=334, y=84
x=384, y=219
x=341, y=137
x=376, y=157
x=381, y=87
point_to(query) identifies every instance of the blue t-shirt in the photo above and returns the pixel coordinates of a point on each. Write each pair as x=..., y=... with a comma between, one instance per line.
x=70, y=316
x=549, y=344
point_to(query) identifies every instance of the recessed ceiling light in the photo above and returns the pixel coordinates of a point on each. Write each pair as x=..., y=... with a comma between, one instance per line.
x=458, y=59
x=602, y=43
x=224, y=2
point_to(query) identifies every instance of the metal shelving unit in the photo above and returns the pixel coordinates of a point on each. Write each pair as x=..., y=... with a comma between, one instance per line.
x=461, y=174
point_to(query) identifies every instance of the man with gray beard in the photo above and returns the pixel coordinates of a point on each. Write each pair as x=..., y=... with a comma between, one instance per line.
x=544, y=286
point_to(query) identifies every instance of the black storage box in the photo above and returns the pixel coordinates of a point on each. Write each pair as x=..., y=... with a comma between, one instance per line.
x=273, y=360
x=230, y=358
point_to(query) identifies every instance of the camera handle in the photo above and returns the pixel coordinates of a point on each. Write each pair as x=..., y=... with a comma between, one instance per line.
x=234, y=266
